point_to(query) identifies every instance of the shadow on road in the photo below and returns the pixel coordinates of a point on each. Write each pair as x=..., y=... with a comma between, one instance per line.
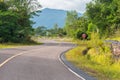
x=59, y=44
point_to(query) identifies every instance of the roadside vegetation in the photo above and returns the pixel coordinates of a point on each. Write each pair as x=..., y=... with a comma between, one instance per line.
x=15, y=24
x=14, y=45
x=95, y=58
x=100, y=22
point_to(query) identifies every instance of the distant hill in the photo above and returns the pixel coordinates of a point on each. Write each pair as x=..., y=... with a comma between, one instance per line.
x=49, y=17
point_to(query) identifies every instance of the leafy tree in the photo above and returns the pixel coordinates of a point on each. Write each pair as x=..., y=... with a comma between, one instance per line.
x=81, y=26
x=40, y=31
x=61, y=32
x=75, y=25
x=92, y=28
x=15, y=24
x=56, y=31
x=28, y=5
x=72, y=16
x=3, y=6
x=10, y=27
x=104, y=14
x=101, y=16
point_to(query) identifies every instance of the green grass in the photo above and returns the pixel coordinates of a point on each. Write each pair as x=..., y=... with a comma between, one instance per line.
x=13, y=45
x=115, y=36
x=100, y=66
x=98, y=61
x=33, y=41
x=6, y=46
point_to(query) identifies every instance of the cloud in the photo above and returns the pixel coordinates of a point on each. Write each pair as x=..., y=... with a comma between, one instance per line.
x=78, y=5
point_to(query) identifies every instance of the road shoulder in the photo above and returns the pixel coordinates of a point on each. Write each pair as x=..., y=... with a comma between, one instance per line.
x=78, y=72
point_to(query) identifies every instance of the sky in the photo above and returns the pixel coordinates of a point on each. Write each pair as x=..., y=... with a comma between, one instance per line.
x=78, y=5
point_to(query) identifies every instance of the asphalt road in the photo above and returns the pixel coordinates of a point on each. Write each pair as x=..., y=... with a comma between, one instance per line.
x=35, y=62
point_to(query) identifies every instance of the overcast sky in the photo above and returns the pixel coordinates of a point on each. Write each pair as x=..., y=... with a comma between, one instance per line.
x=78, y=5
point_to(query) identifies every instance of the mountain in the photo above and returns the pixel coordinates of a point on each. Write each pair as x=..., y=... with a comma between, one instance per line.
x=49, y=17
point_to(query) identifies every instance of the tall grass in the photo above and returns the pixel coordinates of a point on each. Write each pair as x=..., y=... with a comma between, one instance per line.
x=13, y=45
x=115, y=36
x=98, y=61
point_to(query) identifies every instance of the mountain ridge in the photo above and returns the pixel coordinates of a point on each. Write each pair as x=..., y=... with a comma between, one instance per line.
x=49, y=17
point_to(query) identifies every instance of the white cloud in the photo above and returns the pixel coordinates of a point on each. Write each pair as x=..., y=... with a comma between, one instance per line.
x=78, y=5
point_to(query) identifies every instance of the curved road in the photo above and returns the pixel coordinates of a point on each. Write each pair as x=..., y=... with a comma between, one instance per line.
x=35, y=63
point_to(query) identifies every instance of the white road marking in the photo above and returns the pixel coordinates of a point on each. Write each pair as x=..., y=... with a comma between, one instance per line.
x=7, y=60
x=16, y=55
x=70, y=69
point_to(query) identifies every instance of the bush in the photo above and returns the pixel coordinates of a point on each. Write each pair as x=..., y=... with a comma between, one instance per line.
x=98, y=64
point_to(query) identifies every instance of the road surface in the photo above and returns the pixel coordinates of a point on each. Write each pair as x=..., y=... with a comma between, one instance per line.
x=35, y=62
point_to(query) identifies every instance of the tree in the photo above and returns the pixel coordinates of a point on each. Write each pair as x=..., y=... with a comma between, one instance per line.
x=101, y=16
x=104, y=14
x=29, y=5
x=3, y=6
x=40, y=31
x=57, y=31
x=72, y=16
x=15, y=24
x=92, y=28
x=7, y=23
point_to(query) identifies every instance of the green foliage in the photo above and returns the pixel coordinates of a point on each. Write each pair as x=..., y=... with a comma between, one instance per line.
x=95, y=40
x=78, y=34
x=15, y=24
x=101, y=20
x=40, y=31
x=103, y=14
x=56, y=31
x=96, y=64
x=98, y=60
x=115, y=36
x=75, y=25
x=14, y=45
x=3, y=6
x=92, y=28
x=69, y=27
x=8, y=25
x=28, y=5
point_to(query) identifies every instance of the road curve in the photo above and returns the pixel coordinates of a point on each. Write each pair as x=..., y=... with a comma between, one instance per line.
x=36, y=63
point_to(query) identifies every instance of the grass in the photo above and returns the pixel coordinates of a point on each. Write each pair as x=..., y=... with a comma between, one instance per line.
x=115, y=36
x=60, y=39
x=13, y=45
x=6, y=46
x=33, y=41
x=98, y=66
x=98, y=60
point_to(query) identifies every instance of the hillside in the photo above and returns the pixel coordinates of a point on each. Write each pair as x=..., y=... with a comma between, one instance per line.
x=49, y=17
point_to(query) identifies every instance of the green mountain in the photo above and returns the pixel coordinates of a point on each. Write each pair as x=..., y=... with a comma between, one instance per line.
x=49, y=17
